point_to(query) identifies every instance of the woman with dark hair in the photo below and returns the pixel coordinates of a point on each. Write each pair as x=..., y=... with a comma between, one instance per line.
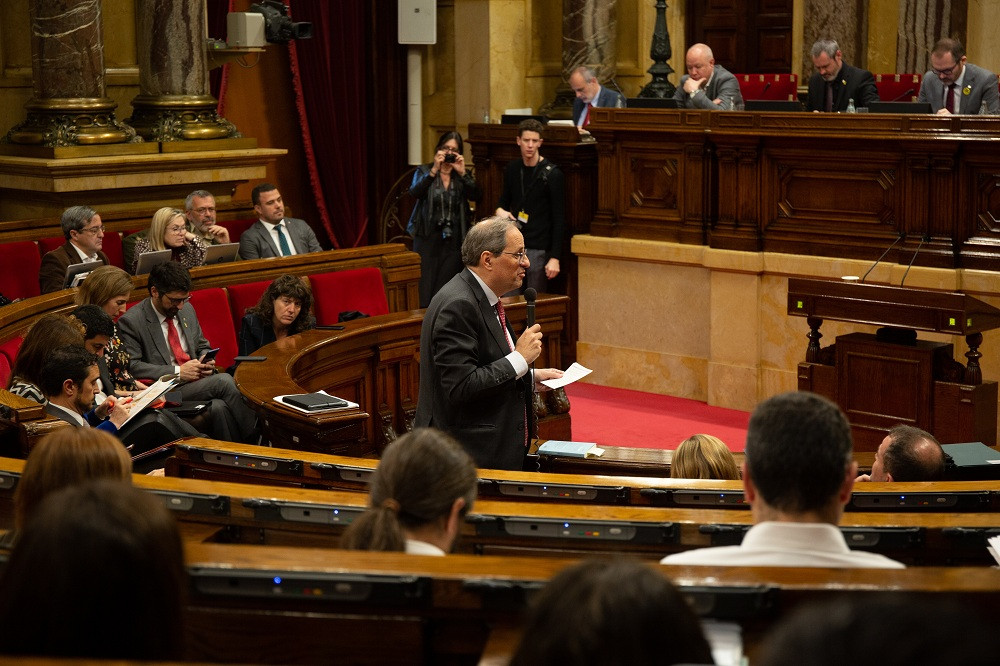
x=98, y=573
x=283, y=310
x=610, y=613
x=443, y=190
x=421, y=490
x=48, y=332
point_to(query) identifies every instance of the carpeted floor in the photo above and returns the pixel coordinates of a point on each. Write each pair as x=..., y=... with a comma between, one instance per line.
x=632, y=418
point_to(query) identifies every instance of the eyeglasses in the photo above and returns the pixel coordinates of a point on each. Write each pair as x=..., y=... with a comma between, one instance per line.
x=91, y=230
x=520, y=256
x=177, y=301
x=176, y=230
x=947, y=70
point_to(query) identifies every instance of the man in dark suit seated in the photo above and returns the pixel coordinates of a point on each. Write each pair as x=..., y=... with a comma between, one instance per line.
x=69, y=379
x=84, y=232
x=274, y=235
x=163, y=337
x=707, y=85
x=475, y=381
x=589, y=93
x=835, y=82
x=954, y=85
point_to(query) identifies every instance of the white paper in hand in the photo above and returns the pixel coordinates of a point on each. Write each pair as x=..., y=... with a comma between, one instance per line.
x=572, y=373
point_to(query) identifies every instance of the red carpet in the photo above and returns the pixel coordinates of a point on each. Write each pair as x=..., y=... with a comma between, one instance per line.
x=632, y=418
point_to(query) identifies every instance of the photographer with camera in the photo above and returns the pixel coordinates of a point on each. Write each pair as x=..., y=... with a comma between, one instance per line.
x=443, y=190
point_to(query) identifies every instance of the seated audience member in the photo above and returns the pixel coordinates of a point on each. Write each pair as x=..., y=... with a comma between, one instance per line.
x=797, y=476
x=283, y=310
x=69, y=382
x=97, y=573
x=66, y=457
x=274, y=235
x=168, y=231
x=704, y=457
x=163, y=337
x=609, y=613
x=84, y=234
x=954, y=85
x=109, y=288
x=48, y=332
x=907, y=454
x=835, y=82
x=893, y=629
x=421, y=490
x=199, y=209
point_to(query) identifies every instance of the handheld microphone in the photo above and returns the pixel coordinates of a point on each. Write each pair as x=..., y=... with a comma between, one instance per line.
x=529, y=298
x=900, y=237
x=900, y=97
x=926, y=239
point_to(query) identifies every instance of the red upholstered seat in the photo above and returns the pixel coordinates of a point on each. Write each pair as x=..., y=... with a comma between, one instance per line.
x=243, y=296
x=19, y=264
x=898, y=87
x=112, y=247
x=46, y=245
x=237, y=227
x=361, y=289
x=769, y=86
x=8, y=351
x=4, y=370
x=217, y=325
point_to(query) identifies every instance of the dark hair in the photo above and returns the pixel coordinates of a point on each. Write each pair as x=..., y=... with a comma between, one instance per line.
x=67, y=457
x=610, y=612
x=903, y=459
x=448, y=136
x=98, y=573
x=169, y=276
x=292, y=286
x=48, y=331
x=798, y=447
x=76, y=218
x=892, y=629
x=530, y=125
x=417, y=481
x=66, y=362
x=949, y=45
x=95, y=320
x=258, y=190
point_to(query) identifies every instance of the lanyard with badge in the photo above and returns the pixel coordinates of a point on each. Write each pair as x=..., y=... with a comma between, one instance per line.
x=522, y=216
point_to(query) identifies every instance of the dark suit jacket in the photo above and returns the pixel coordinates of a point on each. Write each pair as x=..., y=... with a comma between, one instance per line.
x=981, y=84
x=606, y=97
x=254, y=334
x=53, y=271
x=256, y=242
x=467, y=387
x=723, y=86
x=851, y=83
x=139, y=329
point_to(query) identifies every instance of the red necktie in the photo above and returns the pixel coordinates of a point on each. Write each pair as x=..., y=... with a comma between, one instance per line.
x=174, y=340
x=949, y=102
x=503, y=324
x=586, y=117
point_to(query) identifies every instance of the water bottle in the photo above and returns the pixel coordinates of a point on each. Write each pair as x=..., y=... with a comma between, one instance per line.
x=850, y=106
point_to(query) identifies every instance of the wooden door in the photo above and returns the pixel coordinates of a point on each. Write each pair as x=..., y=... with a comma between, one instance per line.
x=746, y=36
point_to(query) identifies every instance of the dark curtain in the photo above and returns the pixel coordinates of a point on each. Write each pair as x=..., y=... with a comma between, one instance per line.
x=328, y=75
x=217, y=12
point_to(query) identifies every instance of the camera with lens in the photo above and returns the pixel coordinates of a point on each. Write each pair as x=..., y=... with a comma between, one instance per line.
x=450, y=158
x=278, y=27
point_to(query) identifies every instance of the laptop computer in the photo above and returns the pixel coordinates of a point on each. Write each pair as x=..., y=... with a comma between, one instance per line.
x=222, y=253
x=784, y=105
x=651, y=103
x=899, y=107
x=75, y=273
x=149, y=259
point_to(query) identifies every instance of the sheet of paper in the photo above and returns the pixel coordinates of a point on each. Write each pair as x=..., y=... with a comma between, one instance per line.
x=572, y=373
x=142, y=400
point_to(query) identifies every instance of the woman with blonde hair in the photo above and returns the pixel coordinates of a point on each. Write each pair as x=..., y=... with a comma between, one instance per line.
x=168, y=231
x=421, y=490
x=704, y=457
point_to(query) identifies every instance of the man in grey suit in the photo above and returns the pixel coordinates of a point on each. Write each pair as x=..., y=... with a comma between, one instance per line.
x=955, y=86
x=164, y=337
x=589, y=93
x=475, y=383
x=274, y=235
x=707, y=85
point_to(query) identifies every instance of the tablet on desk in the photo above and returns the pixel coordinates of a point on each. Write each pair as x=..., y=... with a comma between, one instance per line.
x=222, y=253
x=899, y=107
x=149, y=259
x=75, y=273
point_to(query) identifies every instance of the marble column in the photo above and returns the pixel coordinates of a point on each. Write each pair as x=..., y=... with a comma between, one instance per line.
x=174, y=102
x=589, y=37
x=69, y=106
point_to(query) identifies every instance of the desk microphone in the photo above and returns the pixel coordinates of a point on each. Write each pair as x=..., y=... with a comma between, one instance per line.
x=900, y=237
x=529, y=298
x=766, y=86
x=900, y=97
x=925, y=239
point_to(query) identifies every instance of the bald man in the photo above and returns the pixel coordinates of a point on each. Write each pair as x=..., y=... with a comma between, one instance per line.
x=707, y=85
x=907, y=454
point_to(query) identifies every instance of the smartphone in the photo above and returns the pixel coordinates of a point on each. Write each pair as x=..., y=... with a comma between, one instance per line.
x=209, y=355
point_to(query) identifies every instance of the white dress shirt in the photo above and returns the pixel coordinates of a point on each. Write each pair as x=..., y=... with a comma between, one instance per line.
x=273, y=230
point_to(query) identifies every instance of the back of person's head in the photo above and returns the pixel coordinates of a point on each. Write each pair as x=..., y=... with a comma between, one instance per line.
x=75, y=218
x=893, y=629
x=102, y=284
x=913, y=455
x=95, y=321
x=71, y=362
x=97, y=573
x=416, y=484
x=169, y=276
x=611, y=612
x=67, y=457
x=259, y=190
x=48, y=332
x=487, y=235
x=797, y=452
x=704, y=457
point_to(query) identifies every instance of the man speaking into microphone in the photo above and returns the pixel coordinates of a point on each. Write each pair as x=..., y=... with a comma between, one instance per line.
x=475, y=379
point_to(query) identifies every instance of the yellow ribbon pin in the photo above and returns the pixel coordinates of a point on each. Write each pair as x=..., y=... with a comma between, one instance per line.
x=967, y=90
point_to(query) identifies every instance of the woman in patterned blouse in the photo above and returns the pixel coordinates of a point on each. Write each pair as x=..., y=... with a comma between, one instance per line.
x=168, y=231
